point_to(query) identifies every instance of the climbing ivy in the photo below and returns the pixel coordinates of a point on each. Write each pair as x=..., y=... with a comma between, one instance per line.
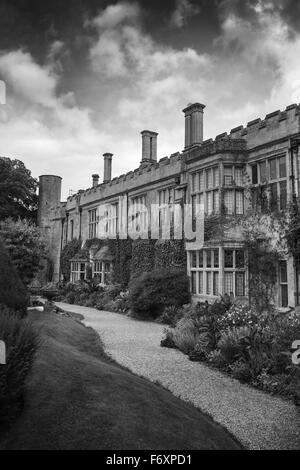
x=170, y=254
x=143, y=257
x=68, y=252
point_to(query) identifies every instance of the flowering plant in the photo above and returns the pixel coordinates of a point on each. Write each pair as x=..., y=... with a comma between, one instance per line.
x=238, y=315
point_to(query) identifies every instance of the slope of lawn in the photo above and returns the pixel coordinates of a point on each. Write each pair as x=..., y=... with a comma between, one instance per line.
x=79, y=399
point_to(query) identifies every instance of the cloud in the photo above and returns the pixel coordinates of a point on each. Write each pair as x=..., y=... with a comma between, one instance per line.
x=30, y=81
x=2, y=92
x=183, y=11
x=45, y=129
x=135, y=82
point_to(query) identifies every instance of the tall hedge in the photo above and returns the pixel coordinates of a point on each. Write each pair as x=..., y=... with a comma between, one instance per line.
x=13, y=293
x=151, y=292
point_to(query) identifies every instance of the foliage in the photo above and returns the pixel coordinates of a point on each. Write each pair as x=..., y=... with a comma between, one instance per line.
x=292, y=229
x=263, y=256
x=238, y=315
x=18, y=197
x=252, y=347
x=153, y=291
x=171, y=315
x=68, y=252
x=168, y=341
x=170, y=254
x=92, y=294
x=184, y=335
x=12, y=291
x=21, y=345
x=122, y=263
x=143, y=256
x=26, y=247
x=231, y=343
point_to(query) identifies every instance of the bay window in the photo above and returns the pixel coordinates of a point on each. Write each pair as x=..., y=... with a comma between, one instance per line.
x=206, y=272
x=102, y=270
x=205, y=190
x=78, y=271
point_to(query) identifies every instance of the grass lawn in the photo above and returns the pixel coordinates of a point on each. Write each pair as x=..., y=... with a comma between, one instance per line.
x=79, y=399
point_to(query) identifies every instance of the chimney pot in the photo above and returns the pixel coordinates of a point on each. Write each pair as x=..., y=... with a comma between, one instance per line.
x=107, y=167
x=95, y=180
x=149, y=146
x=193, y=124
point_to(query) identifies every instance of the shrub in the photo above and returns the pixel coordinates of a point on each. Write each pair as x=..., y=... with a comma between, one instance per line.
x=241, y=371
x=26, y=247
x=171, y=315
x=113, y=290
x=152, y=292
x=70, y=297
x=238, y=315
x=216, y=359
x=167, y=341
x=230, y=343
x=111, y=306
x=12, y=292
x=21, y=345
x=185, y=336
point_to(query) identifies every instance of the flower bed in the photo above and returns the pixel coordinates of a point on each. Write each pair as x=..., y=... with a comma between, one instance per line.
x=251, y=347
x=92, y=294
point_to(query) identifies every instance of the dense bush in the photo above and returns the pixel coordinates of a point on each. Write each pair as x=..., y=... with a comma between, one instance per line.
x=171, y=315
x=185, y=336
x=25, y=245
x=12, y=292
x=21, y=345
x=91, y=294
x=153, y=291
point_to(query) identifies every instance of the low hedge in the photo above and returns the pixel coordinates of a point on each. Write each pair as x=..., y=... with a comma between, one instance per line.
x=153, y=291
x=21, y=342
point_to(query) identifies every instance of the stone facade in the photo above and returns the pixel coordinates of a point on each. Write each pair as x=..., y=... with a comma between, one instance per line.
x=220, y=174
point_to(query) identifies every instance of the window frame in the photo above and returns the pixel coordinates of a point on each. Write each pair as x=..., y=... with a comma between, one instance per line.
x=93, y=222
x=208, y=195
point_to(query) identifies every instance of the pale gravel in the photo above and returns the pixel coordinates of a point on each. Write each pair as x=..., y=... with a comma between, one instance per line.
x=256, y=419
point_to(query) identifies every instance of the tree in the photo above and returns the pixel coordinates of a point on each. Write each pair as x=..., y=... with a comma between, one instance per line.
x=17, y=190
x=25, y=245
x=12, y=292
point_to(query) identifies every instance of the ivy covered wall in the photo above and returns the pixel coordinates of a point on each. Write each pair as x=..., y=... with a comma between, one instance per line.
x=131, y=257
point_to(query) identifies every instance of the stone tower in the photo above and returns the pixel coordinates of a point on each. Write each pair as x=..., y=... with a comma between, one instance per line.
x=49, y=218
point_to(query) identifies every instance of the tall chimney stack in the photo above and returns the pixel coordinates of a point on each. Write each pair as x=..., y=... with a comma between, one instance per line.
x=95, y=180
x=107, y=167
x=193, y=114
x=149, y=146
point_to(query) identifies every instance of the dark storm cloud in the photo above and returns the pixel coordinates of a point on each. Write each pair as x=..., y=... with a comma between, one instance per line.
x=35, y=24
x=289, y=10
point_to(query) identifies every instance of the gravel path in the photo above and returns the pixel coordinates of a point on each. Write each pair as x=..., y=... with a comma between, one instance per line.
x=256, y=419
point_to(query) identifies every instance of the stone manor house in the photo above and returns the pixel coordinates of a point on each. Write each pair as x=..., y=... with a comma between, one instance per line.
x=219, y=173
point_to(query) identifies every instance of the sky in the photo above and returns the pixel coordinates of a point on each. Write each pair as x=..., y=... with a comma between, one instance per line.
x=85, y=77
